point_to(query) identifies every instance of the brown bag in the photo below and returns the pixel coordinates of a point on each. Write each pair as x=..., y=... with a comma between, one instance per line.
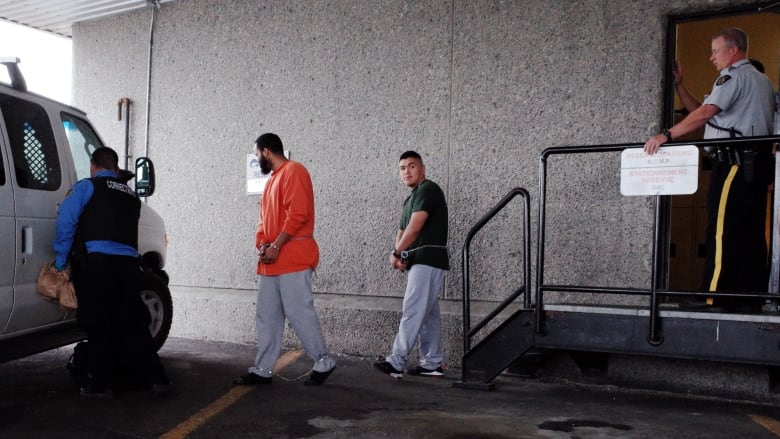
x=56, y=286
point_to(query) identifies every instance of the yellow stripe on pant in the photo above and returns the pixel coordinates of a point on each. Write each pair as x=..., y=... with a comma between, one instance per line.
x=724, y=196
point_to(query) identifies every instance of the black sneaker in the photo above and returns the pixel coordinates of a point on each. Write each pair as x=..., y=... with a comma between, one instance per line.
x=387, y=368
x=251, y=379
x=317, y=378
x=421, y=371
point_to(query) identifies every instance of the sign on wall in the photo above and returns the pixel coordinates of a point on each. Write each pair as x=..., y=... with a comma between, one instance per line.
x=673, y=170
x=255, y=180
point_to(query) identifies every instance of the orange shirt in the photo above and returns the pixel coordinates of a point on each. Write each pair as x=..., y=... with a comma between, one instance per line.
x=287, y=206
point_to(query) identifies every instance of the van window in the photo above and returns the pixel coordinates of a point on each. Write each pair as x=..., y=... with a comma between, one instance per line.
x=82, y=140
x=33, y=149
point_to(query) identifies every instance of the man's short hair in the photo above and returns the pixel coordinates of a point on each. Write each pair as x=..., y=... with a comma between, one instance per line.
x=410, y=154
x=105, y=158
x=734, y=37
x=270, y=141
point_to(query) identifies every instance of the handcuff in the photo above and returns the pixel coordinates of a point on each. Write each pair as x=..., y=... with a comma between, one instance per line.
x=403, y=255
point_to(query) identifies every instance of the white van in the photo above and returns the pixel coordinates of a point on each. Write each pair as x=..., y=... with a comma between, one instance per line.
x=45, y=148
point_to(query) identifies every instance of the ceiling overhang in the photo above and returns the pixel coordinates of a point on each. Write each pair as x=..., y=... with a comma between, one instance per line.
x=58, y=16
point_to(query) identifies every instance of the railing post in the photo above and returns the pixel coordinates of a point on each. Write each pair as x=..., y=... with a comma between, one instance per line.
x=540, y=244
x=466, y=259
x=653, y=337
x=466, y=298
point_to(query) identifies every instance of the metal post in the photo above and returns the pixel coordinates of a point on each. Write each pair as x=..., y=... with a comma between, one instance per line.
x=774, y=278
x=654, y=338
x=540, y=330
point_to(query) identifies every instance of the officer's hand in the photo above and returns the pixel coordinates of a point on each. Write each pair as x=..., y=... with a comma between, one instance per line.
x=653, y=143
x=58, y=267
x=677, y=73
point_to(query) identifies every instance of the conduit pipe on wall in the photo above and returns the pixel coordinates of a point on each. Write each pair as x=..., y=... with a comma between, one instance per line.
x=155, y=6
x=125, y=103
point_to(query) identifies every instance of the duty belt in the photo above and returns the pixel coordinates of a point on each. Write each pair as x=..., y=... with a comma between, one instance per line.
x=728, y=155
x=744, y=157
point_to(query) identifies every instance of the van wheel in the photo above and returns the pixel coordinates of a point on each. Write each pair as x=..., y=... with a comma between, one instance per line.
x=157, y=298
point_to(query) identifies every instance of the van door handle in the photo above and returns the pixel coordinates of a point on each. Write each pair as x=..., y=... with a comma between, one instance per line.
x=27, y=240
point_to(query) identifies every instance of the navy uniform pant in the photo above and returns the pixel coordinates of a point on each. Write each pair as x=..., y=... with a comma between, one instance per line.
x=116, y=322
x=736, y=248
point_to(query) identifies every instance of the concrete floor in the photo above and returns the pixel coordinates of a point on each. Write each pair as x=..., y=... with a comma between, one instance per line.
x=37, y=400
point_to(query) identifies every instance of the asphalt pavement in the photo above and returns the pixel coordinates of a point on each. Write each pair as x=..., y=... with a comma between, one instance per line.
x=37, y=400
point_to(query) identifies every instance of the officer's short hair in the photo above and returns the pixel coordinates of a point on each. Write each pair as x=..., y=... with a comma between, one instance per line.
x=270, y=141
x=734, y=37
x=411, y=154
x=105, y=158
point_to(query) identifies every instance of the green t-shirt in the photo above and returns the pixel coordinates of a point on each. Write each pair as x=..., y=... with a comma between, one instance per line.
x=430, y=247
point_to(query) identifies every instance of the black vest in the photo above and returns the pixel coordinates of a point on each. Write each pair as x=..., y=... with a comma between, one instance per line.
x=111, y=214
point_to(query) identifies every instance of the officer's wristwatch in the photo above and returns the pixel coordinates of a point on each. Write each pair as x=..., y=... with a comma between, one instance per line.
x=668, y=135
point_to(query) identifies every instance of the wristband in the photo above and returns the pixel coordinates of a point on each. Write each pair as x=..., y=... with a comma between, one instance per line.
x=668, y=135
x=272, y=245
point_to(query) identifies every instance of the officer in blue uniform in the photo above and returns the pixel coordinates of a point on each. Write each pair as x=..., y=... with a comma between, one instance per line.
x=97, y=232
x=741, y=104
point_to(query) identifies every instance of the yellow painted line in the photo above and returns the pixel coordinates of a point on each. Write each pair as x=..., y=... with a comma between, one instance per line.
x=770, y=424
x=182, y=430
x=287, y=359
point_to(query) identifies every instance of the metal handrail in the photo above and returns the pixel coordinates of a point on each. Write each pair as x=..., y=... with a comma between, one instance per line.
x=468, y=331
x=654, y=292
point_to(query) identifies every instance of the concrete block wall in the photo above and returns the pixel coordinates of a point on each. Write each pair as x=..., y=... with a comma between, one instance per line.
x=479, y=88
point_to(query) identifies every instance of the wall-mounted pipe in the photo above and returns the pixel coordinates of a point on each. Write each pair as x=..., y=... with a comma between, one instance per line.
x=155, y=6
x=125, y=103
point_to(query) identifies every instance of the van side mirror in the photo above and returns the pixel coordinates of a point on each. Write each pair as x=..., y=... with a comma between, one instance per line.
x=144, y=177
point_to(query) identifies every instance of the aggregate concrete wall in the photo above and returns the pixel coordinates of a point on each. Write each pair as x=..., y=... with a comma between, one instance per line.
x=478, y=87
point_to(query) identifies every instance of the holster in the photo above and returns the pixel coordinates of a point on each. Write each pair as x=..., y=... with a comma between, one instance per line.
x=756, y=161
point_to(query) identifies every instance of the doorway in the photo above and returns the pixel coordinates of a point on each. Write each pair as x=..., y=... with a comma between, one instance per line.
x=689, y=44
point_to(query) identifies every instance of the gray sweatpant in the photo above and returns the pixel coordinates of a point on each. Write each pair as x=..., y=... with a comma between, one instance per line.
x=287, y=296
x=421, y=318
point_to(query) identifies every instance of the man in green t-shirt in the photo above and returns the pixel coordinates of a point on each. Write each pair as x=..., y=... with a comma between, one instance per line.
x=421, y=250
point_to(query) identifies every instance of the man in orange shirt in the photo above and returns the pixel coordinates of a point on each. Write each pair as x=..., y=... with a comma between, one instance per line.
x=288, y=254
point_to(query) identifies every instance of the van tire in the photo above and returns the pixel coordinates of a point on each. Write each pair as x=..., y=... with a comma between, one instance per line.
x=157, y=298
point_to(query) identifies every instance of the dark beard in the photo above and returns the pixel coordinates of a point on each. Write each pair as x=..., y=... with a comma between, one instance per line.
x=265, y=166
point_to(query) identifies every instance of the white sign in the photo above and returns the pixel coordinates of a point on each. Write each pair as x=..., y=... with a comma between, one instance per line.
x=255, y=180
x=673, y=170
